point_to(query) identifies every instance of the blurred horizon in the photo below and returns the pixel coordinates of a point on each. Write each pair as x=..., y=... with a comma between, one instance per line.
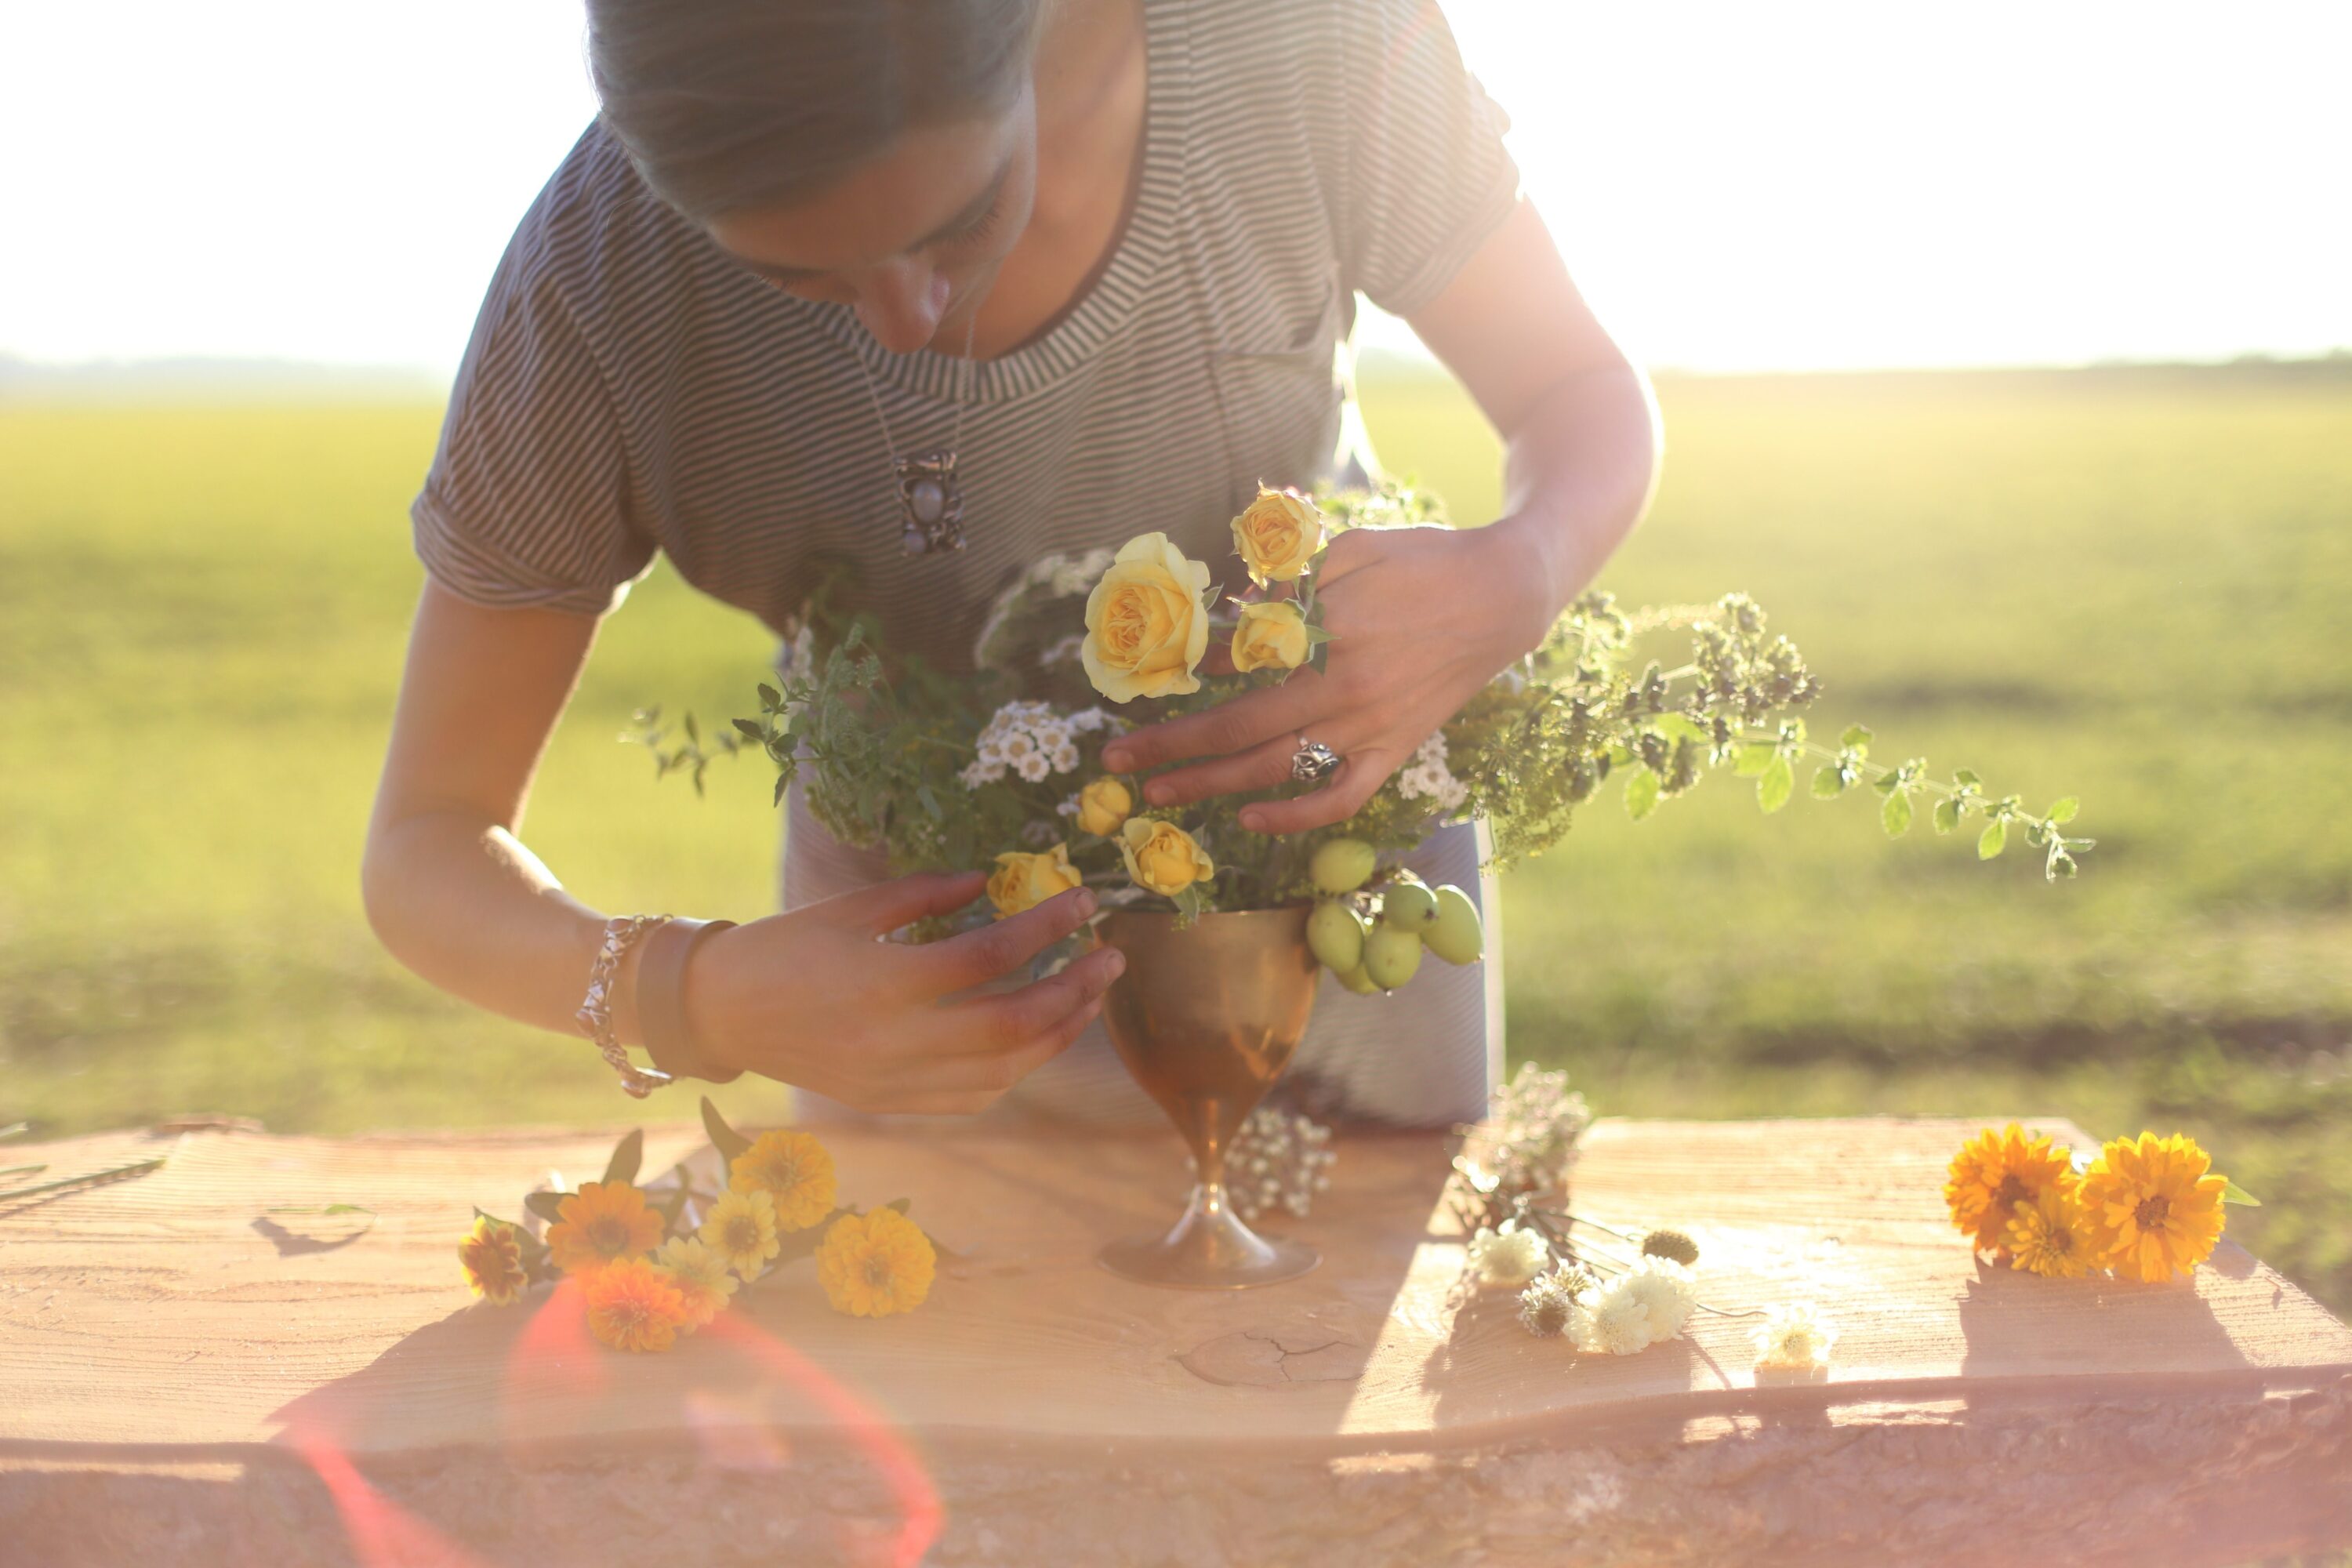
x=1814, y=187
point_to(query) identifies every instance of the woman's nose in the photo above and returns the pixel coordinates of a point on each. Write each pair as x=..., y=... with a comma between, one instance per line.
x=902, y=304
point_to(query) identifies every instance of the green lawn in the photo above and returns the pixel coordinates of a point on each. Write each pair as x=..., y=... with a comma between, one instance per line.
x=2129, y=586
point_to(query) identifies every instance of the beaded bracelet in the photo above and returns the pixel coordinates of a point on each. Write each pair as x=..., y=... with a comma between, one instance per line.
x=595, y=1014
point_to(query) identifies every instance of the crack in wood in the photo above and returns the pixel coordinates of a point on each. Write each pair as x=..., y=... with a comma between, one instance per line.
x=1274, y=1357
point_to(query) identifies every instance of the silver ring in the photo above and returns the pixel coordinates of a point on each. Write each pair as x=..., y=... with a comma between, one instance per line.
x=1313, y=762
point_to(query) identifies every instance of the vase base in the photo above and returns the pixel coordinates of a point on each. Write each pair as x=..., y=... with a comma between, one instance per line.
x=1210, y=1249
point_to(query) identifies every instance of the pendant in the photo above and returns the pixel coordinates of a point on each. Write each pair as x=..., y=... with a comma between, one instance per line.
x=933, y=501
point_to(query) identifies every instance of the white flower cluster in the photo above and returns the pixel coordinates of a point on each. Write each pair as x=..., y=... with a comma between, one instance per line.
x=1794, y=1338
x=1279, y=1160
x=1032, y=739
x=1427, y=776
x=1051, y=578
x=1509, y=1259
x=1068, y=575
x=1634, y=1310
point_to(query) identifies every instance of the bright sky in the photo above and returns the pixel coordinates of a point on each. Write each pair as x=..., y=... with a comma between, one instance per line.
x=1739, y=186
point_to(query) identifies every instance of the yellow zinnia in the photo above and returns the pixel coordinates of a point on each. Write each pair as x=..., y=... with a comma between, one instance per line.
x=795, y=1170
x=700, y=1275
x=634, y=1306
x=2153, y=1205
x=2048, y=1236
x=874, y=1265
x=491, y=1254
x=1995, y=1172
x=742, y=1230
x=601, y=1222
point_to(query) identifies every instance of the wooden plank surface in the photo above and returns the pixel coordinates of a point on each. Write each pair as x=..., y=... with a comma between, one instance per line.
x=174, y=1316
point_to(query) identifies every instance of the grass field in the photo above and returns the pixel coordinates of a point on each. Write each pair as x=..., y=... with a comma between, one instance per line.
x=2134, y=586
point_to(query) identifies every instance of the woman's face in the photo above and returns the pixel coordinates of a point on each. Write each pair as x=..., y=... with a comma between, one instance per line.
x=912, y=241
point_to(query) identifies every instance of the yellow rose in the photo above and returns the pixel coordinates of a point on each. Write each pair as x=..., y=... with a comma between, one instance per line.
x=1023, y=881
x=1103, y=806
x=1161, y=856
x=1278, y=535
x=1271, y=636
x=1145, y=628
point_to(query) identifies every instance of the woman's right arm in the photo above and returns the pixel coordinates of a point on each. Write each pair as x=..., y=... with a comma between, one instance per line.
x=812, y=997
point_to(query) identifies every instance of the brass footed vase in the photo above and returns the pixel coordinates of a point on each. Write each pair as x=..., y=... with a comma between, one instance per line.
x=1206, y=1019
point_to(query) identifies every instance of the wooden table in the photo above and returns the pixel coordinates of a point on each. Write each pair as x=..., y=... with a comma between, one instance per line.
x=187, y=1377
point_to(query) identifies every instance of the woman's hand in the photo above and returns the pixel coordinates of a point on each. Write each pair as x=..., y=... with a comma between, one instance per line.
x=816, y=998
x=1421, y=618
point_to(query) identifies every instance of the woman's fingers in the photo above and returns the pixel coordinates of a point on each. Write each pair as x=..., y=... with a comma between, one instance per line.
x=1261, y=767
x=1232, y=726
x=887, y=906
x=1361, y=773
x=994, y=1024
x=977, y=957
x=965, y=1086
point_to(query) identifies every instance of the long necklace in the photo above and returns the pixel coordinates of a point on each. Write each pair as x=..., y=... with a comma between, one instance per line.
x=928, y=492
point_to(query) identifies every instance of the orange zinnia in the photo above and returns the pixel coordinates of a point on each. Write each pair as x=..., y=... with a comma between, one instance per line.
x=795, y=1170
x=2049, y=1236
x=601, y=1222
x=875, y=1264
x=1993, y=1174
x=492, y=1256
x=634, y=1306
x=2153, y=1205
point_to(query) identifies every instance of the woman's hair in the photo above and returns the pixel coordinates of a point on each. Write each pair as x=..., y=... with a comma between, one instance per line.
x=726, y=104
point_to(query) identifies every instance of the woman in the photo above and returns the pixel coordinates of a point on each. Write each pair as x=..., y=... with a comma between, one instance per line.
x=1098, y=251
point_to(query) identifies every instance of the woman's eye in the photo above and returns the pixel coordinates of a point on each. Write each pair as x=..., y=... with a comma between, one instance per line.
x=978, y=229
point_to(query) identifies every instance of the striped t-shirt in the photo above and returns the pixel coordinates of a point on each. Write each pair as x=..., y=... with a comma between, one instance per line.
x=629, y=389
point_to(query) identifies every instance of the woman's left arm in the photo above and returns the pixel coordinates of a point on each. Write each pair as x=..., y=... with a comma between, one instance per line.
x=1423, y=617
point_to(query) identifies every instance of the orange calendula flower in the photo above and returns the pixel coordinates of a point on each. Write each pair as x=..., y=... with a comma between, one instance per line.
x=874, y=1265
x=634, y=1306
x=2153, y=1205
x=491, y=1254
x=1993, y=1174
x=2048, y=1235
x=793, y=1169
x=601, y=1222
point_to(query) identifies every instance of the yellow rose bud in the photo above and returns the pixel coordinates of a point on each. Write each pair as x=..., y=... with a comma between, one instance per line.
x=1103, y=806
x=1278, y=535
x=1145, y=628
x=1022, y=881
x=1161, y=856
x=1271, y=636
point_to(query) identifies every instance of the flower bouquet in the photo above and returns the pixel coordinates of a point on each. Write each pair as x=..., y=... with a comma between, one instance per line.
x=653, y=1262
x=1004, y=769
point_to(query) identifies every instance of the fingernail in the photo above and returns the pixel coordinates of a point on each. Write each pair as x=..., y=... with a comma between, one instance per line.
x=1116, y=761
x=1159, y=793
x=1253, y=821
x=1117, y=962
x=1086, y=902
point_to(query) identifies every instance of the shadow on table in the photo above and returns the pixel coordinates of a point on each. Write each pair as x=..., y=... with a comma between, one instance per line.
x=2018, y=1324
x=541, y=1416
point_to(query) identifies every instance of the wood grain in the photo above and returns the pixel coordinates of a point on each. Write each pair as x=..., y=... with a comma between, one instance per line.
x=171, y=1320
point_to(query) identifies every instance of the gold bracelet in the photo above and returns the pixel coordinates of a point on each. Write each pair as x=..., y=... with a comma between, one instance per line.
x=595, y=1014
